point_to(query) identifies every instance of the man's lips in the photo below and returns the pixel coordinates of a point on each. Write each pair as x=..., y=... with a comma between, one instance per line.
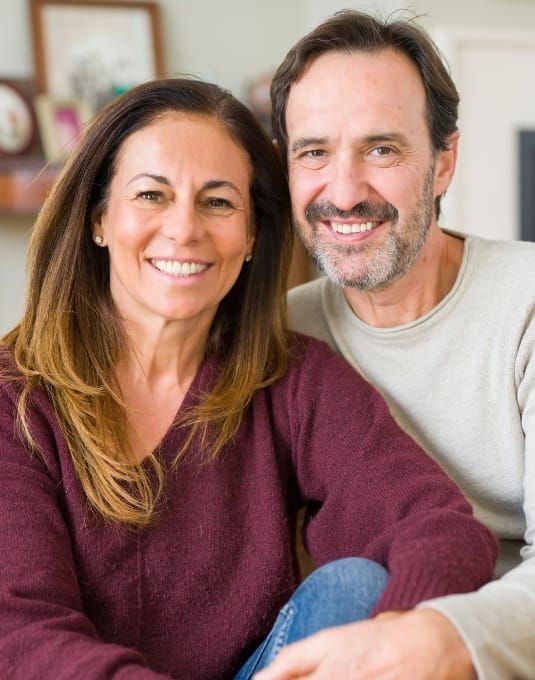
x=352, y=227
x=363, y=213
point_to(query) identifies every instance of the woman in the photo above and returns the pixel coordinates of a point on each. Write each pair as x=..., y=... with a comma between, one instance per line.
x=160, y=429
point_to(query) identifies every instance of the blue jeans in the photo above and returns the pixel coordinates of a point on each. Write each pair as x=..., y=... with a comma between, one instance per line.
x=339, y=592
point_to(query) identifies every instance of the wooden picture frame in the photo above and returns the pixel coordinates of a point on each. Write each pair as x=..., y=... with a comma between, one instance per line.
x=94, y=49
x=61, y=122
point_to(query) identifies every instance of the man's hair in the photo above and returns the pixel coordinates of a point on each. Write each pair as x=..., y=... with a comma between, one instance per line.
x=352, y=31
x=71, y=336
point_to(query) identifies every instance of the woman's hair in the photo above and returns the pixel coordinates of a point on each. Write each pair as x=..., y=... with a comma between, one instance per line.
x=353, y=31
x=71, y=338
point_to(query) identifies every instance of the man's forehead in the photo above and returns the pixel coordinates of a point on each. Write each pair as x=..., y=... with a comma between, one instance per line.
x=390, y=69
x=339, y=85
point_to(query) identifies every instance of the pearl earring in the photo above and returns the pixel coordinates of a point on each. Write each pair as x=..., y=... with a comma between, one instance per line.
x=248, y=257
x=98, y=239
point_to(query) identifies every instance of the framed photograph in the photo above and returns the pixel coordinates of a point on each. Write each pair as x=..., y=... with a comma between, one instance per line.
x=526, y=156
x=61, y=122
x=94, y=49
x=18, y=125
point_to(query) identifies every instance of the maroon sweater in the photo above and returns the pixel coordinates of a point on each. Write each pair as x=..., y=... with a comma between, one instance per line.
x=191, y=596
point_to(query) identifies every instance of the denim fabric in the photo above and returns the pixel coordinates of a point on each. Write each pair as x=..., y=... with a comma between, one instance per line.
x=339, y=592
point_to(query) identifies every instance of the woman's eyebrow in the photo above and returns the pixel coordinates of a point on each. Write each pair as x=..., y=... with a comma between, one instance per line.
x=158, y=178
x=218, y=183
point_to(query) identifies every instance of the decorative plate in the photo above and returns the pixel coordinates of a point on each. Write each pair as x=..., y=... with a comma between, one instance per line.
x=17, y=120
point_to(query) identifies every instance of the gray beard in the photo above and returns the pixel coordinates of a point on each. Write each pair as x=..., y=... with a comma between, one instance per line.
x=394, y=258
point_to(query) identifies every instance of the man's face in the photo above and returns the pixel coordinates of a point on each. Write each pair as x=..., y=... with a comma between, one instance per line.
x=361, y=165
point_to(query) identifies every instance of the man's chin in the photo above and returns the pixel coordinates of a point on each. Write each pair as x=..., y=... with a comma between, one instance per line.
x=339, y=274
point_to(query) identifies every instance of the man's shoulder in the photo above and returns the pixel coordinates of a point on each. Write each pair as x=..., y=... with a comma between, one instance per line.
x=309, y=291
x=306, y=308
x=511, y=260
x=522, y=250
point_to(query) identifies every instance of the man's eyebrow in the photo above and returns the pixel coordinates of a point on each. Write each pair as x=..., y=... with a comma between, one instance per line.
x=384, y=137
x=305, y=142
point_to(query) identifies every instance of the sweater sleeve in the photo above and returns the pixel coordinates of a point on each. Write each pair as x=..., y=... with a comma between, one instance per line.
x=497, y=622
x=41, y=612
x=372, y=491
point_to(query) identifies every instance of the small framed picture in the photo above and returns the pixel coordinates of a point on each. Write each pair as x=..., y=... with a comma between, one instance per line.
x=95, y=49
x=61, y=122
x=18, y=125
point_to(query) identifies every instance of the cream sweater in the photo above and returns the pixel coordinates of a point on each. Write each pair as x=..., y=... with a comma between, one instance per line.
x=461, y=381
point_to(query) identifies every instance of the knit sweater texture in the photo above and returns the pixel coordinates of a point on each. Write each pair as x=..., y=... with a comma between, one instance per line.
x=461, y=381
x=192, y=595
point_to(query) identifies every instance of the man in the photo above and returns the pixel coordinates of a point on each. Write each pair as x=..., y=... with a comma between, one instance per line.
x=365, y=114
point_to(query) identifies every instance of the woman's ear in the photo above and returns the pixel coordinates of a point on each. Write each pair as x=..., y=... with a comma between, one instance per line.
x=251, y=238
x=97, y=228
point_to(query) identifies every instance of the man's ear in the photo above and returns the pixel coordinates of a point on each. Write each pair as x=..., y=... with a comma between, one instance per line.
x=277, y=147
x=445, y=164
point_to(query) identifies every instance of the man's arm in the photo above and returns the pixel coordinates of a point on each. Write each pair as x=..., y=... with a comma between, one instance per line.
x=420, y=645
x=496, y=624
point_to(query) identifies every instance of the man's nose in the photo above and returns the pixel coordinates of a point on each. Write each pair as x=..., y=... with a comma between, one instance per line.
x=349, y=182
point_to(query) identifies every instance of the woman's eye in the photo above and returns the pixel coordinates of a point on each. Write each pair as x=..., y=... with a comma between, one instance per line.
x=152, y=196
x=216, y=202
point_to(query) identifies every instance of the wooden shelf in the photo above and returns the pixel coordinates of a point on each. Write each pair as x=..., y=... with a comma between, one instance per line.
x=24, y=185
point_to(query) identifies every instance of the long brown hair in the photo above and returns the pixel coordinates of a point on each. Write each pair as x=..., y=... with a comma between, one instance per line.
x=70, y=338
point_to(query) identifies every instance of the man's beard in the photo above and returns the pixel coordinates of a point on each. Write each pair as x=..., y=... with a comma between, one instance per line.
x=388, y=261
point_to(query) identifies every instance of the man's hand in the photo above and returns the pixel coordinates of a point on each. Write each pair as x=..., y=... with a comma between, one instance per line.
x=416, y=645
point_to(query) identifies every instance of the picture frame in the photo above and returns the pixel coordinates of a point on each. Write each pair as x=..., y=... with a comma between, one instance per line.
x=61, y=122
x=94, y=49
x=19, y=134
x=526, y=157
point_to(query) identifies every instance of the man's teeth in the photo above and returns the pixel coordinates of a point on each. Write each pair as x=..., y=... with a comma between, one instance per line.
x=351, y=228
x=179, y=268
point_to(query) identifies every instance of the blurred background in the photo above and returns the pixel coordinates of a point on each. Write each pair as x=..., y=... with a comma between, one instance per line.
x=489, y=44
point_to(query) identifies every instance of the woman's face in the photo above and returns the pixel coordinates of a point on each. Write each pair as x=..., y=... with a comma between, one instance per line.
x=178, y=221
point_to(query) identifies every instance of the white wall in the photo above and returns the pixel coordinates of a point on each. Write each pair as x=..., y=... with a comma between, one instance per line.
x=13, y=240
x=492, y=70
x=230, y=42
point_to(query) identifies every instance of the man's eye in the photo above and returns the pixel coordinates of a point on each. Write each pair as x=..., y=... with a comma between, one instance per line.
x=312, y=158
x=314, y=153
x=382, y=150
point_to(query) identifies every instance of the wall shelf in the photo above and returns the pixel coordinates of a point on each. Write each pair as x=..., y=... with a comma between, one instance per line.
x=24, y=185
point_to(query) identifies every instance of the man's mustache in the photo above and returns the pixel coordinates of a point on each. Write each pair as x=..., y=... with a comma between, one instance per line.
x=384, y=212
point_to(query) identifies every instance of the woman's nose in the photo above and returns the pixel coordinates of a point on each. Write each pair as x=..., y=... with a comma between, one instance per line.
x=182, y=223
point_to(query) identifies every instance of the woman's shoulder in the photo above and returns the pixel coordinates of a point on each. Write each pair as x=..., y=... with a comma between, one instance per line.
x=40, y=418
x=11, y=379
x=6, y=355
x=305, y=348
x=316, y=360
x=12, y=382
